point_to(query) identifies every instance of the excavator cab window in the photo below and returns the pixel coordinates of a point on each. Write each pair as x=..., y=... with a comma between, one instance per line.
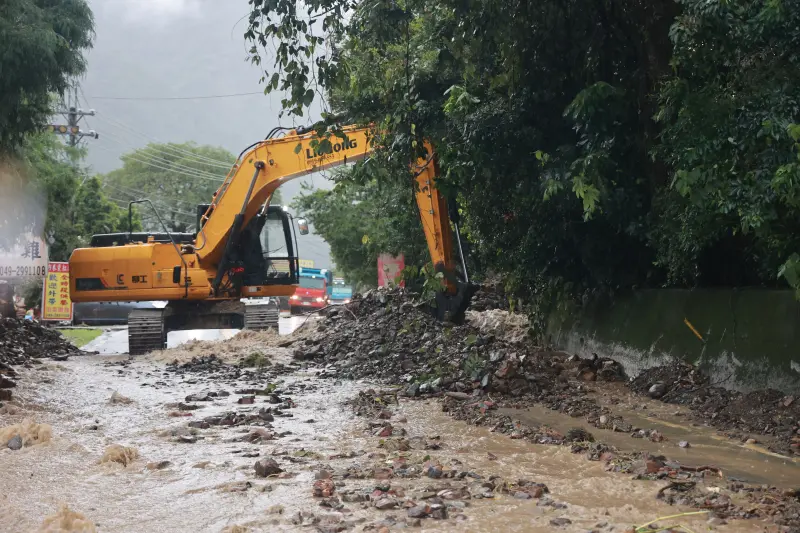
x=267, y=249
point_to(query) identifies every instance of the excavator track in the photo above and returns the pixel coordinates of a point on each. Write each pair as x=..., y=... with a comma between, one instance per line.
x=261, y=317
x=146, y=331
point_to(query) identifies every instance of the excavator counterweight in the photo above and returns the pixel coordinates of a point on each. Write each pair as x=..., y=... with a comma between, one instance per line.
x=244, y=248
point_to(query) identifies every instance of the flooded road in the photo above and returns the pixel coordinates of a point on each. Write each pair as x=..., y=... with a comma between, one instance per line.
x=202, y=479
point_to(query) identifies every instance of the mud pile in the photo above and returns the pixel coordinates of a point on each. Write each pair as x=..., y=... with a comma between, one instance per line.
x=21, y=340
x=386, y=336
x=767, y=412
x=21, y=343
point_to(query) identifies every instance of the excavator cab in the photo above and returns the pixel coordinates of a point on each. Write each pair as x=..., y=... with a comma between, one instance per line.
x=267, y=249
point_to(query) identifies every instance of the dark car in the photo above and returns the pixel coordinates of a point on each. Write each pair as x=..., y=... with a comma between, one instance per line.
x=106, y=313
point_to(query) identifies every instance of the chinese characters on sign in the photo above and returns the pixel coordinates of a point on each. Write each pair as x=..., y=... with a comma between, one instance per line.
x=24, y=260
x=56, y=304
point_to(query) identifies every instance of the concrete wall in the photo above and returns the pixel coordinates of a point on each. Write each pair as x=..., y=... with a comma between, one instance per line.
x=751, y=336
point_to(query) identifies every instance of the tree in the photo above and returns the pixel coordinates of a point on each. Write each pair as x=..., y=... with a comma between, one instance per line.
x=362, y=221
x=175, y=177
x=41, y=50
x=593, y=145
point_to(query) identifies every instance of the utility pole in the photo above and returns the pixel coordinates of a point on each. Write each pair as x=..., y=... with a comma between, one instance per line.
x=71, y=111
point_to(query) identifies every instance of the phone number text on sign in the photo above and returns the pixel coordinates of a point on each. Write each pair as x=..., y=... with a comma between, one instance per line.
x=7, y=271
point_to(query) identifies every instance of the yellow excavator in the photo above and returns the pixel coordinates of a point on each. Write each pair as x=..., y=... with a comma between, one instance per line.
x=244, y=248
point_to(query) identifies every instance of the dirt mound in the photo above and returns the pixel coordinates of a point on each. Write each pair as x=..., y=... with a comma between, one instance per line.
x=21, y=340
x=386, y=336
x=22, y=343
x=511, y=327
x=243, y=345
x=67, y=521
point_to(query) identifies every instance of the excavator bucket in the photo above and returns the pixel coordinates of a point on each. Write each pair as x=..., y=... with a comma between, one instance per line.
x=450, y=307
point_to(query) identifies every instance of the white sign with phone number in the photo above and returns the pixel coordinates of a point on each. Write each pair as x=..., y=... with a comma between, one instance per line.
x=28, y=259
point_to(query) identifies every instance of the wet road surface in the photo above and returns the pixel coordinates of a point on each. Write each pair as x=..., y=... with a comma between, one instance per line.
x=202, y=480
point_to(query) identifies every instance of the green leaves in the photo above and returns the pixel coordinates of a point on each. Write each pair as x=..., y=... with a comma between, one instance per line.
x=43, y=42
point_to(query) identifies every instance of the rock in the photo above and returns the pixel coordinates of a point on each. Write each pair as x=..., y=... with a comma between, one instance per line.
x=751, y=441
x=202, y=397
x=458, y=395
x=419, y=511
x=119, y=398
x=412, y=390
x=657, y=390
x=199, y=424
x=161, y=465
x=5, y=395
x=15, y=443
x=684, y=444
x=267, y=467
x=653, y=465
x=6, y=383
x=385, y=503
x=558, y=522
x=434, y=472
x=246, y=400
x=716, y=521
x=520, y=495
x=323, y=488
x=603, y=420
x=385, y=431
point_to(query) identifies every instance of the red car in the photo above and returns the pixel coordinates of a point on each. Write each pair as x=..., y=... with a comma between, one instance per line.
x=310, y=294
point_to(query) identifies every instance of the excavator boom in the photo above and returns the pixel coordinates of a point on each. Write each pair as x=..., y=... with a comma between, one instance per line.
x=204, y=276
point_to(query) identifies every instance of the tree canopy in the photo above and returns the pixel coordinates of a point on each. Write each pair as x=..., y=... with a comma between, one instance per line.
x=593, y=145
x=41, y=50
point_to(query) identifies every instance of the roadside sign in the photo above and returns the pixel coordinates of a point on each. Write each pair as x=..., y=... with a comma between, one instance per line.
x=306, y=263
x=56, y=303
x=388, y=269
x=27, y=259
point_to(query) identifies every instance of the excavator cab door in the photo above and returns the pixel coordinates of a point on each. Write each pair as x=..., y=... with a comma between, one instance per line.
x=279, y=265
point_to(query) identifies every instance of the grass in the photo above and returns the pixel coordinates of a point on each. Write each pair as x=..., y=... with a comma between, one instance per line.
x=80, y=337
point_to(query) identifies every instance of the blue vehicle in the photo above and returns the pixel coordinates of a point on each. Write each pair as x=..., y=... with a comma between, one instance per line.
x=341, y=292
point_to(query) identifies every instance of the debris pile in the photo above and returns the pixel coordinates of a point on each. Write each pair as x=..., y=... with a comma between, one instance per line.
x=384, y=335
x=22, y=343
x=767, y=412
x=22, y=340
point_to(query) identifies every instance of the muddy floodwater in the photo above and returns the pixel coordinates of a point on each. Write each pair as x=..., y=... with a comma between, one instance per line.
x=184, y=480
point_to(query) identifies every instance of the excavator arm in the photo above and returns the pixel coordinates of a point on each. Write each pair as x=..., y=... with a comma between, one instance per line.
x=261, y=169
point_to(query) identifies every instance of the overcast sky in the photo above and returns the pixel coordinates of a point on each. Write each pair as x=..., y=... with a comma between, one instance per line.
x=179, y=48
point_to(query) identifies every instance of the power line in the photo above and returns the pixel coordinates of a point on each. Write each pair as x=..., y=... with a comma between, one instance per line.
x=145, y=153
x=210, y=160
x=203, y=97
x=150, y=163
x=137, y=194
x=155, y=202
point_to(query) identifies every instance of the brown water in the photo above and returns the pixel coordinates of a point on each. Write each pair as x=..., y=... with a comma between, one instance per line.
x=744, y=462
x=198, y=492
